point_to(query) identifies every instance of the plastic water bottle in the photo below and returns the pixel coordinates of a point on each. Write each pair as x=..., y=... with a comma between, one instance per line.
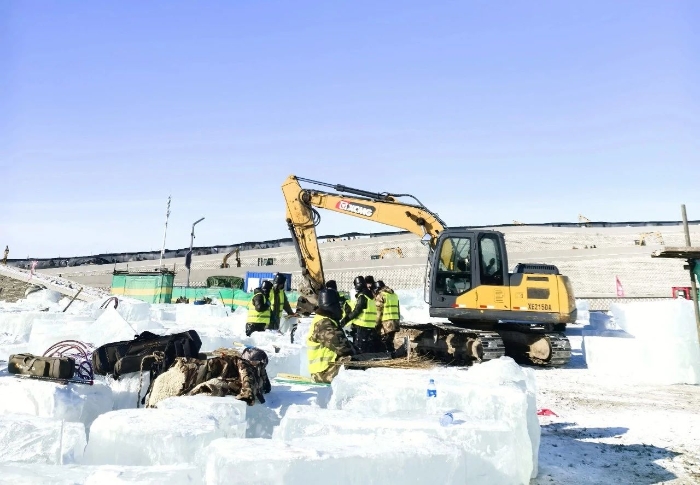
x=431, y=405
x=446, y=419
x=432, y=390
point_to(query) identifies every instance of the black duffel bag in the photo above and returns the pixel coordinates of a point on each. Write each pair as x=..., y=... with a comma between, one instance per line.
x=124, y=357
x=38, y=366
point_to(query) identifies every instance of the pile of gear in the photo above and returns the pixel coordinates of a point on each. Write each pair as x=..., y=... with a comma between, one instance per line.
x=174, y=363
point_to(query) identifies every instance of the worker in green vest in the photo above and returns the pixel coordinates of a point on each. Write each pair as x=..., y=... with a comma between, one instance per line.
x=388, y=314
x=259, y=309
x=344, y=304
x=327, y=346
x=279, y=302
x=363, y=318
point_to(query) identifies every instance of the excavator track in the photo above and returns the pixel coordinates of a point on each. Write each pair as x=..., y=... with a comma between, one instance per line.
x=535, y=346
x=464, y=346
x=452, y=344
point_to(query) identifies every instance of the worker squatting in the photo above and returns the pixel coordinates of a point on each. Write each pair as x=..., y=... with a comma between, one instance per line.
x=371, y=319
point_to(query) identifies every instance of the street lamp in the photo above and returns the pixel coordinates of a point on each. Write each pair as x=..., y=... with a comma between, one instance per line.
x=189, y=255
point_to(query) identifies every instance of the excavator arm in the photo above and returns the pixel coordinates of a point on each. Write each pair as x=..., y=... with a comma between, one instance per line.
x=384, y=208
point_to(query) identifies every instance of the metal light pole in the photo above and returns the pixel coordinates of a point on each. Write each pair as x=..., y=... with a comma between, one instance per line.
x=190, y=253
x=162, y=251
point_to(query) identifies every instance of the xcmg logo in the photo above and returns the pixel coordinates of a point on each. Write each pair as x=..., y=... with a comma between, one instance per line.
x=363, y=210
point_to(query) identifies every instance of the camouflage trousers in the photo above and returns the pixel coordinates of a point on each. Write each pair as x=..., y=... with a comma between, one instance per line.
x=329, y=374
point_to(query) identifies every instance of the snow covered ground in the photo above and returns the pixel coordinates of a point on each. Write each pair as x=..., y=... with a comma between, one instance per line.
x=614, y=422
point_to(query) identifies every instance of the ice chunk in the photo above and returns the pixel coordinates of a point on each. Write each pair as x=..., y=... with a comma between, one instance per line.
x=148, y=437
x=322, y=460
x=31, y=439
x=487, y=447
x=44, y=297
x=125, y=391
x=413, y=308
x=194, y=314
x=71, y=402
x=32, y=474
x=659, y=344
x=230, y=413
x=38, y=473
x=602, y=321
x=263, y=418
x=15, y=327
x=133, y=310
x=285, y=361
x=152, y=475
x=582, y=312
x=109, y=327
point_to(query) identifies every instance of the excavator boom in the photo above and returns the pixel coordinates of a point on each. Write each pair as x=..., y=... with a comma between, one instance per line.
x=384, y=208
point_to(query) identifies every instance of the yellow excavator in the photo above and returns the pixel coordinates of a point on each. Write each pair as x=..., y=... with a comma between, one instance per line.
x=491, y=312
x=237, y=252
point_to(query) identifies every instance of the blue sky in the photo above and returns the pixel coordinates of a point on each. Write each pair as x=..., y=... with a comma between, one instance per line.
x=486, y=111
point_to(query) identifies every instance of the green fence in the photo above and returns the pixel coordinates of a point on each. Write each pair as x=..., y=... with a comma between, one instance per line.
x=155, y=287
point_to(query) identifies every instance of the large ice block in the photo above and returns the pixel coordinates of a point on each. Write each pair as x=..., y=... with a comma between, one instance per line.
x=495, y=391
x=32, y=439
x=658, y=344
x=35, y=473
x=487, y=447
x=71, y=402
x=263, y=418
x=148, y=437
x=151, y=475
x=125, y=391
x=354, y=460
x=230, y=413
x=15, y=327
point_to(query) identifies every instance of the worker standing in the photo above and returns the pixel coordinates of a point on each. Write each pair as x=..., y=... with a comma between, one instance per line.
x=279, y=301
x=344, y=304
x=363, y=317
x=388, y=314
x=4, y=258
x=259, y=309
x=327, y=345
x=369, y=281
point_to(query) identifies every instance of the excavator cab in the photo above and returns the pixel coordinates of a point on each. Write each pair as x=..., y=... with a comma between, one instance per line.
x=468, y=281
x=461, y=263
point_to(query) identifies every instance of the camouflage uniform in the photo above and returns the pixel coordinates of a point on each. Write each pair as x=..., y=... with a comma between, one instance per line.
x=329, y=374
x=330, y=335
x=388, y=328
x=223, y=375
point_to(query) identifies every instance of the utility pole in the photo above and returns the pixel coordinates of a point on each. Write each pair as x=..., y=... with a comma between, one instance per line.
x=165, y=233
x=188, y=259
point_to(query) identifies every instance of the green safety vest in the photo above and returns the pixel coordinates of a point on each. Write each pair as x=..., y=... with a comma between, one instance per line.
x=280, y=299
x=255, y=316
x=368, y=317
x=320, y=357
x=391, y=307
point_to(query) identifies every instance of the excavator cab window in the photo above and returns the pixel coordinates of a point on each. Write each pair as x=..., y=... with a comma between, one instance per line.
x=454, y=271
x=491, y=261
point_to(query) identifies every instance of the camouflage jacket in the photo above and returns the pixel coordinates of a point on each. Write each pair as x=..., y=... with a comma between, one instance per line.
x=379, y=302
x=331, y=336
x=223, y=375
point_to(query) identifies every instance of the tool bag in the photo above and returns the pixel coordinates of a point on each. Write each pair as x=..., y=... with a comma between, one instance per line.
x=38, y=366
x=118, y=358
